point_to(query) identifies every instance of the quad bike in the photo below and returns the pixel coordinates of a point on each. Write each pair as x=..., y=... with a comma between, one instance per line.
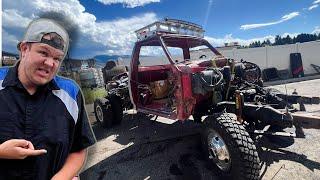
x=226, y=96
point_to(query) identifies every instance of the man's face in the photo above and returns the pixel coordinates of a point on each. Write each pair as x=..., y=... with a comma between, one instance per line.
x=39, y=63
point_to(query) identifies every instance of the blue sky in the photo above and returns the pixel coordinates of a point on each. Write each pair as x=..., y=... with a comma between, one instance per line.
x=107, y=26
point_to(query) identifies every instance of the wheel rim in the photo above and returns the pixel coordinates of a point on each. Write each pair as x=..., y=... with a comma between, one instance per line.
x=99, y=113
x=218, y=151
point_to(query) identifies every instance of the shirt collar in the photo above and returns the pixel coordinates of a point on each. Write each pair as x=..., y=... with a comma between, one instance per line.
x=12, y=79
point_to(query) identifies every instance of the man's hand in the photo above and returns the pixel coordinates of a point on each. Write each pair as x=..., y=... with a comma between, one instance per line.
x=18, y=149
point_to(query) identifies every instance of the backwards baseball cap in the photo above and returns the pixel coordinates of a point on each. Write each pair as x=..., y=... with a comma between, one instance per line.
x=38, y=29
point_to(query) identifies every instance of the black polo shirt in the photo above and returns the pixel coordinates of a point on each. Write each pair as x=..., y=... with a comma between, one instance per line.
x=53, y=118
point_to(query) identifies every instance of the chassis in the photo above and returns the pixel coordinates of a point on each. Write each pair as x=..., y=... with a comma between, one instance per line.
x=226, y=96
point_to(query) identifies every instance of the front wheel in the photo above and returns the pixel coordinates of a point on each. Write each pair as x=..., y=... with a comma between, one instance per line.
x=229, y=148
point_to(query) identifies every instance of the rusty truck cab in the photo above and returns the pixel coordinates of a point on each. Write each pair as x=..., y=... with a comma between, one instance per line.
x=163, y=86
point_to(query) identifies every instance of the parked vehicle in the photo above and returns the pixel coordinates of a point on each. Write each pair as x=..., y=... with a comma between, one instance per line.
x=194, y=79
x=109, y=110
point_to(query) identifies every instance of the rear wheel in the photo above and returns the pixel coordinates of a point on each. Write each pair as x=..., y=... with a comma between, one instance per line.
x=229, y=148
x=117, y=109
x=103, y=113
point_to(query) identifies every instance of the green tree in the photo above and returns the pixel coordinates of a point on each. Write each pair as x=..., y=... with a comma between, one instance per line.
x=287, y=40
x=268, y=42
x=277, y=40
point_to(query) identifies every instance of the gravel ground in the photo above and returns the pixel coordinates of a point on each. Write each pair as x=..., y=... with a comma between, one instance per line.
x=141, y=148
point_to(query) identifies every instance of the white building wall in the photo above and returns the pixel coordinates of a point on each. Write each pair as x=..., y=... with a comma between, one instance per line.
x=228, y=53
x=310, y=54
x=279, y=56
x=258, y=56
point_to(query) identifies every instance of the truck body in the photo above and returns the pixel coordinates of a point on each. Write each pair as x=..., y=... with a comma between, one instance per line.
x=192, y=79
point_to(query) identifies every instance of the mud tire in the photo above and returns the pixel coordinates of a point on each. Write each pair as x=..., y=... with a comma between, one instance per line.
x=244, y=161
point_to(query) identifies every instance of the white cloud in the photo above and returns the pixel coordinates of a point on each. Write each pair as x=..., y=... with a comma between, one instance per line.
x=289, y=16
x=10, y=39
x=118, y=35
x=283, y=19
x=12, y=18
x=228, y=38
x=290, y=34
x=245, y=42
x=115, y=36
x=129, y=3
x=313, y=7
x=316, y=2
x=316, y=30
x=253, y=26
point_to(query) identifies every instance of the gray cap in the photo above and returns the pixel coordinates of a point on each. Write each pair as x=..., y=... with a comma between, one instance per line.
x=41, y=27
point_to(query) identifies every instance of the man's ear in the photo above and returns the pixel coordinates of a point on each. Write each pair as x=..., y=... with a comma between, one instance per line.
x=23, y=48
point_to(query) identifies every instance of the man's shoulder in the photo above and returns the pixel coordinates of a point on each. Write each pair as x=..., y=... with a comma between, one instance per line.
x=67, y=85
x=3, y=72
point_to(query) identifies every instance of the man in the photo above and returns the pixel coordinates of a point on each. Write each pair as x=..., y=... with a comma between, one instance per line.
x=44, y=130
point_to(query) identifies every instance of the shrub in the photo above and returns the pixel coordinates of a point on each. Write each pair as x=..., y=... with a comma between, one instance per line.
x=91, y=94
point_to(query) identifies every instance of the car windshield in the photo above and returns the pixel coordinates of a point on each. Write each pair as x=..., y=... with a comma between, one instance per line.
x=184, y=49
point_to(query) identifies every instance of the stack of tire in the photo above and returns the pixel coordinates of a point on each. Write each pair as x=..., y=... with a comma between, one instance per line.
x=270, y=74
x=111, y=69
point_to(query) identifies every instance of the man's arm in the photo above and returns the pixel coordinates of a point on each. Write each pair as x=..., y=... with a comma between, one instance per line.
x=83, y=137
x=72, y=166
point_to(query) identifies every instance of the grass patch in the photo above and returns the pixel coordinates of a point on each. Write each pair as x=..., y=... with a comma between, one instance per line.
x=91, y=94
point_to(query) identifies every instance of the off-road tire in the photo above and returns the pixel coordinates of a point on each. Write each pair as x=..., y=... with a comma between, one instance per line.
x=117, y=109
x=103, y=113
x=245, y=163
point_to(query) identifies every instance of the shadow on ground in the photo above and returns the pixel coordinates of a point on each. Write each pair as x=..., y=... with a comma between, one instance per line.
x=159, y=151
x=274, y=151
x=170, y=151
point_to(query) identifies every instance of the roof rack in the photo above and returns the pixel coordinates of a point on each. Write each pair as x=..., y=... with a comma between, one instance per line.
x=170, y=26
